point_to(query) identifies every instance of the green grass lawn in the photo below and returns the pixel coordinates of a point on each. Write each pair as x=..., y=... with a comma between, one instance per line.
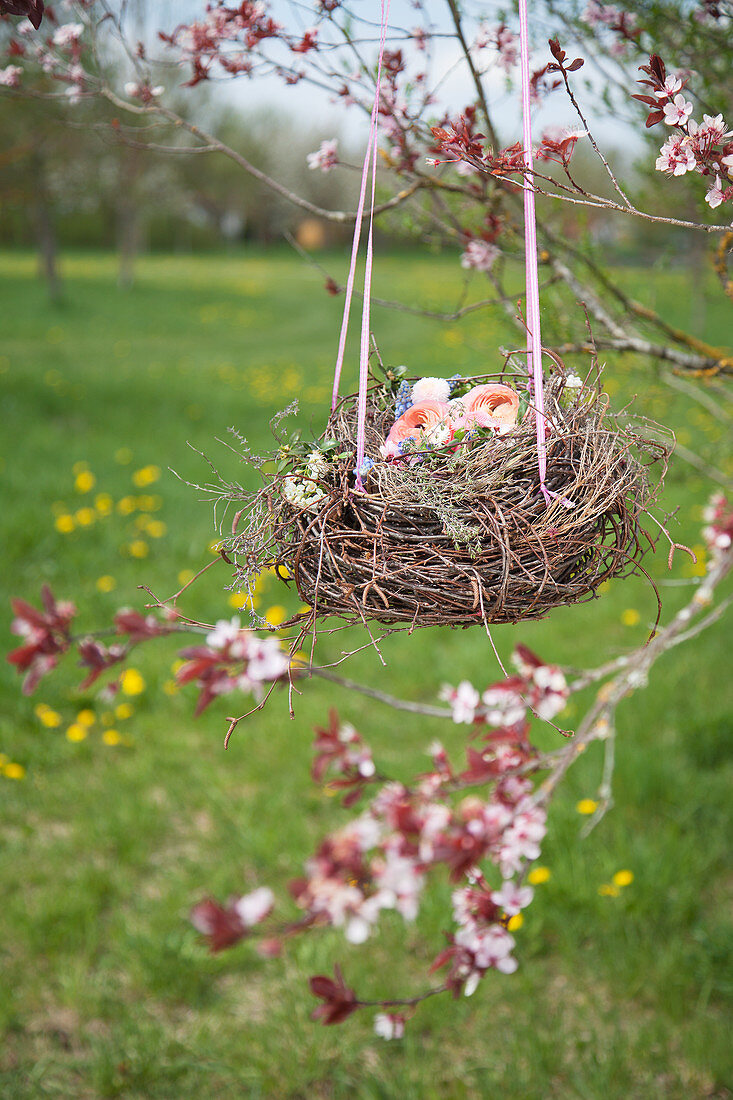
x=109, y=838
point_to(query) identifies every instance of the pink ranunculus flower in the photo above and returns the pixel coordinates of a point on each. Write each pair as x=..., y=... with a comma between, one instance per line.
x=493, y=405
x=419, y=420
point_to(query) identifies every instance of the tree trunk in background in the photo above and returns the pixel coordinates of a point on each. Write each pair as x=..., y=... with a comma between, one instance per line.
x=129, y=229
x=45, y=230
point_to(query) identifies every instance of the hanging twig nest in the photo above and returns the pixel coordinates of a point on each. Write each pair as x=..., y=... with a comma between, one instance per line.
x=459, y=534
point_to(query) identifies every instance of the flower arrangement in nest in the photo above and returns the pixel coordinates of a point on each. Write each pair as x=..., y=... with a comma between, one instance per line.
x=450, y=526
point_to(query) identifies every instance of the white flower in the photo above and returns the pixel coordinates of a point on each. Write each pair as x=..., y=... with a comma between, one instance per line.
x=254, y=907
x=671, y=85
x=357, y=930
x=573, y=382
x=716, y=194
x=387, y=1026
x=303, y=494
x=431, y=389
x=678, y=111
x=317, y=465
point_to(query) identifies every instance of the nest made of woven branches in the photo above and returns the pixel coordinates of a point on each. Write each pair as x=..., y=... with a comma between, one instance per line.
x=461, y=536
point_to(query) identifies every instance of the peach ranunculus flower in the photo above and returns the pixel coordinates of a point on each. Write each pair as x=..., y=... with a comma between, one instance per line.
x=492, y=405
x=427, y=420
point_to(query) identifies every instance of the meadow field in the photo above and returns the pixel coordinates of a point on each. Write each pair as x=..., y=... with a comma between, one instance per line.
x=118, y=816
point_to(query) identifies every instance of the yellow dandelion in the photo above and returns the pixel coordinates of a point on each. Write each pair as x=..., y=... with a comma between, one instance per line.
x=139, y=548
x=131, y=682
x=124, y=710
x=156, y=528
x=84, y=481
x=111, y=737
x=283, y=572
x=214, y=546
x=86, y=717
x=586, y=806
x=276, y=615
x=304, y=609
x=515, y=922
x=104, y=503
x=608, y=890
x=85, y=517
x=123, y=456
x=630, y=617
x=178, y=665
x=186, y=576
x=14, y=771
x=623, y=878
x=538, y=875
x=106, y=583
x=76, y=732
x=64, y=523
x=40, y=708
x=126, y=505
x=170, y=687
x=149, y=502
x=51, y=719
x=145, y=476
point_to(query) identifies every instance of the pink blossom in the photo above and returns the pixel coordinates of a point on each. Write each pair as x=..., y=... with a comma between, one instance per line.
x=266, y=660
x=716, y=194
x=143, y=91
x=10, y=76
x=714, y=128
x=479, y=255
x=389, y=1025
x=463, y=701
x=399, y=882
x=671, y=85
x=512, y=898
x=718, y=533
x=676, y=157
x=227, y=633
x=325, y=158
x=678, y=111
x=507, y=44
x=68, y=34
x=503, y=706
x=254, y=907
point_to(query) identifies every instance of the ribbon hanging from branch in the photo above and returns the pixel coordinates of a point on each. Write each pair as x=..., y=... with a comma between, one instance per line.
x=534, y=334
x=370, y=158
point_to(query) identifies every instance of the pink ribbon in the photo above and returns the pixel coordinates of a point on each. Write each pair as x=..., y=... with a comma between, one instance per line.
x=370, y=155
x=534, y=335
